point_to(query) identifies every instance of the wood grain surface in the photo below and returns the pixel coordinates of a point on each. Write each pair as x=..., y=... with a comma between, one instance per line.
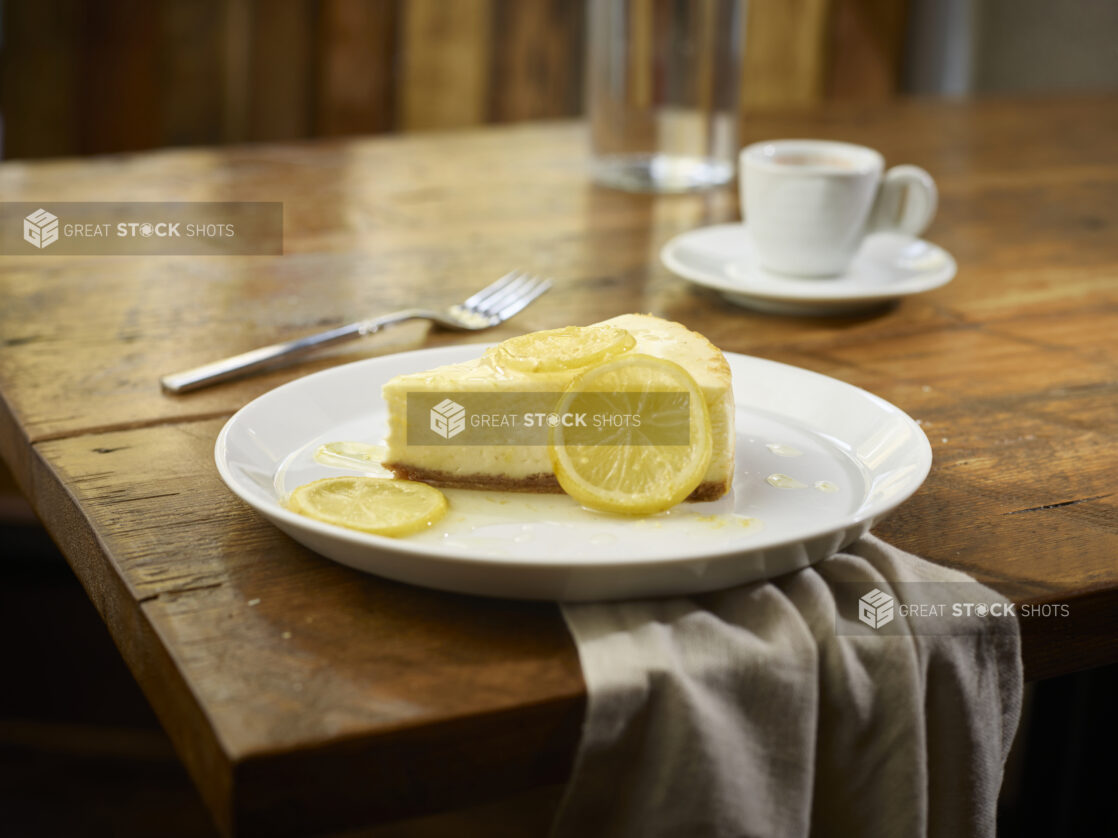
x=124, y=75
x=304, y=696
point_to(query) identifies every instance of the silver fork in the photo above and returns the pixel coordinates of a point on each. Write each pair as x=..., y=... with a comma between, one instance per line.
x=493, y=304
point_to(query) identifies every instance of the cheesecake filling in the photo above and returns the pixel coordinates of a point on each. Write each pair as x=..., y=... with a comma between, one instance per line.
x=528, y=467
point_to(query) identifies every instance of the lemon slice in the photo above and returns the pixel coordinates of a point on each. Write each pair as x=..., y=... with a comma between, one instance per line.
x=370, y=504
x=564, y=349
x=632, y=470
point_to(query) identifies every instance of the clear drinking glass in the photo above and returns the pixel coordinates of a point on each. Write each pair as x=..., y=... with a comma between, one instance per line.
x=662, y=86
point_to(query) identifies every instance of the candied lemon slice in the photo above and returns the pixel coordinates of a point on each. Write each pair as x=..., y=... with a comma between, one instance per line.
x=370, y=504
x=631, y=467
x=564, y=349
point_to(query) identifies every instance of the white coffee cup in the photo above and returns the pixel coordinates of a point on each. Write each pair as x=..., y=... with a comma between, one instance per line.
x=810, y=203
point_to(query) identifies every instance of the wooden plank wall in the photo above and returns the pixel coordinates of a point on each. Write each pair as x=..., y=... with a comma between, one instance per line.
x=96, y=76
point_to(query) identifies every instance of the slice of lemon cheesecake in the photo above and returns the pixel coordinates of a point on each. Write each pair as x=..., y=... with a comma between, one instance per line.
x=513, y=383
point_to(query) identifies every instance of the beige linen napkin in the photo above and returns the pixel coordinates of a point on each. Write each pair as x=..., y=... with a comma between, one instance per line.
x=744, y=713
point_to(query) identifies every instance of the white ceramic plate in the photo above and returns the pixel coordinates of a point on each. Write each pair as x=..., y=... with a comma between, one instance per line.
x=887, y=267
x=872, y=455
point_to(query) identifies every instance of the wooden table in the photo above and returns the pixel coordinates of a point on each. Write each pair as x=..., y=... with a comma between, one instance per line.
x=303, y=695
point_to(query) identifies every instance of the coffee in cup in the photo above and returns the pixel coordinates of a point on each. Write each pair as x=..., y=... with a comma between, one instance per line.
x=809, y=204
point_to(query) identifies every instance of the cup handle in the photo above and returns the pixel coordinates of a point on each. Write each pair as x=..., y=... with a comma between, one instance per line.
x=906, y=201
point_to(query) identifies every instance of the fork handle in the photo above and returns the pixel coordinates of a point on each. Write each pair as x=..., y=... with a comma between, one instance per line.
x=265, y=356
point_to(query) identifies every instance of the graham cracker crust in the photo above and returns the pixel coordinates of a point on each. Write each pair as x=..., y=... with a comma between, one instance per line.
x=539, y=484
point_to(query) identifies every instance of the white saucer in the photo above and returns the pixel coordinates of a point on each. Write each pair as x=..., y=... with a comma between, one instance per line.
x=888, y=266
